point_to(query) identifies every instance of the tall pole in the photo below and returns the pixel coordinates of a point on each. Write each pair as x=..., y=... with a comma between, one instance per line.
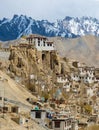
x=3, y=101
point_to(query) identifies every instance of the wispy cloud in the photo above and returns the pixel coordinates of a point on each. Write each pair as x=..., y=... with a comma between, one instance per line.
x=50, y=9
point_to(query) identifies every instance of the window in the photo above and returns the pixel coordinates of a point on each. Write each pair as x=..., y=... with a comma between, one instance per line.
x=38, y=114
x=38, y=44
x=44, y=44
x=5, y=109
x=65, y=124
x=48, y=44
x=1, y=98
x=38, y=41
x=14, y=109
x=57, y=124
x=43, y=57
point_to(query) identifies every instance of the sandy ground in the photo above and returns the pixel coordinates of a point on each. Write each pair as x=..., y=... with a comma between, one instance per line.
x=14, y=91
x=7, y=124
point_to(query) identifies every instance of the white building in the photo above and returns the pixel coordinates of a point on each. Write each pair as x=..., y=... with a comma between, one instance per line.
x=64, y=124
x=90, y=92
x=82, y=71
x=89, y=79
x=67, y=86
x=41, y=43
x=85, y=74
x=38, y=114
x=86, y=70
x=75, y=77
x=62, y=79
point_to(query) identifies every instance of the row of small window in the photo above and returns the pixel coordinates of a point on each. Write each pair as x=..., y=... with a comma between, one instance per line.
x=83, y=77
x=33, y=41
x=44, y=44
x=58, y=124
x=86, y=71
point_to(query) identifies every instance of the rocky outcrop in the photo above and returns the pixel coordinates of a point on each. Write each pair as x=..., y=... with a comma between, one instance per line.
x=25, y=61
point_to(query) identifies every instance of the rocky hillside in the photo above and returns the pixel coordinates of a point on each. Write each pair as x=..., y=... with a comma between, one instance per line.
x=68, y=27
x=28, y=63
x=84, y=49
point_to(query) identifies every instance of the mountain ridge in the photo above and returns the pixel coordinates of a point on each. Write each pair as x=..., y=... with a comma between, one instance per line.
x=69, y=27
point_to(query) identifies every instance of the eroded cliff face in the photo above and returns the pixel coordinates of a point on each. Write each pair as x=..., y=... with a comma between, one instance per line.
x=26, y=60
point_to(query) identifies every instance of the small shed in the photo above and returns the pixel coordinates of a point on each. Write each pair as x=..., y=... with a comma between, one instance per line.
x=38, y=114
x=15, y=109
x=62, y=124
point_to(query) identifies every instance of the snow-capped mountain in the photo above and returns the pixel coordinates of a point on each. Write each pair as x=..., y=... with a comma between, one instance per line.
x=69, y=27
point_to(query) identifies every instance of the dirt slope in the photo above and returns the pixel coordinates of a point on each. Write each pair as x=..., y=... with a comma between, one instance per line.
x=12, y=90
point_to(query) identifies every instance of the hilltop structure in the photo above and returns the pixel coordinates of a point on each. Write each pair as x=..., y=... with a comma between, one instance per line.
x=41, y=43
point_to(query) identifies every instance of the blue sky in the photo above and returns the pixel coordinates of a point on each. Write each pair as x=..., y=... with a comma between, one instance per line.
x=49, y=9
